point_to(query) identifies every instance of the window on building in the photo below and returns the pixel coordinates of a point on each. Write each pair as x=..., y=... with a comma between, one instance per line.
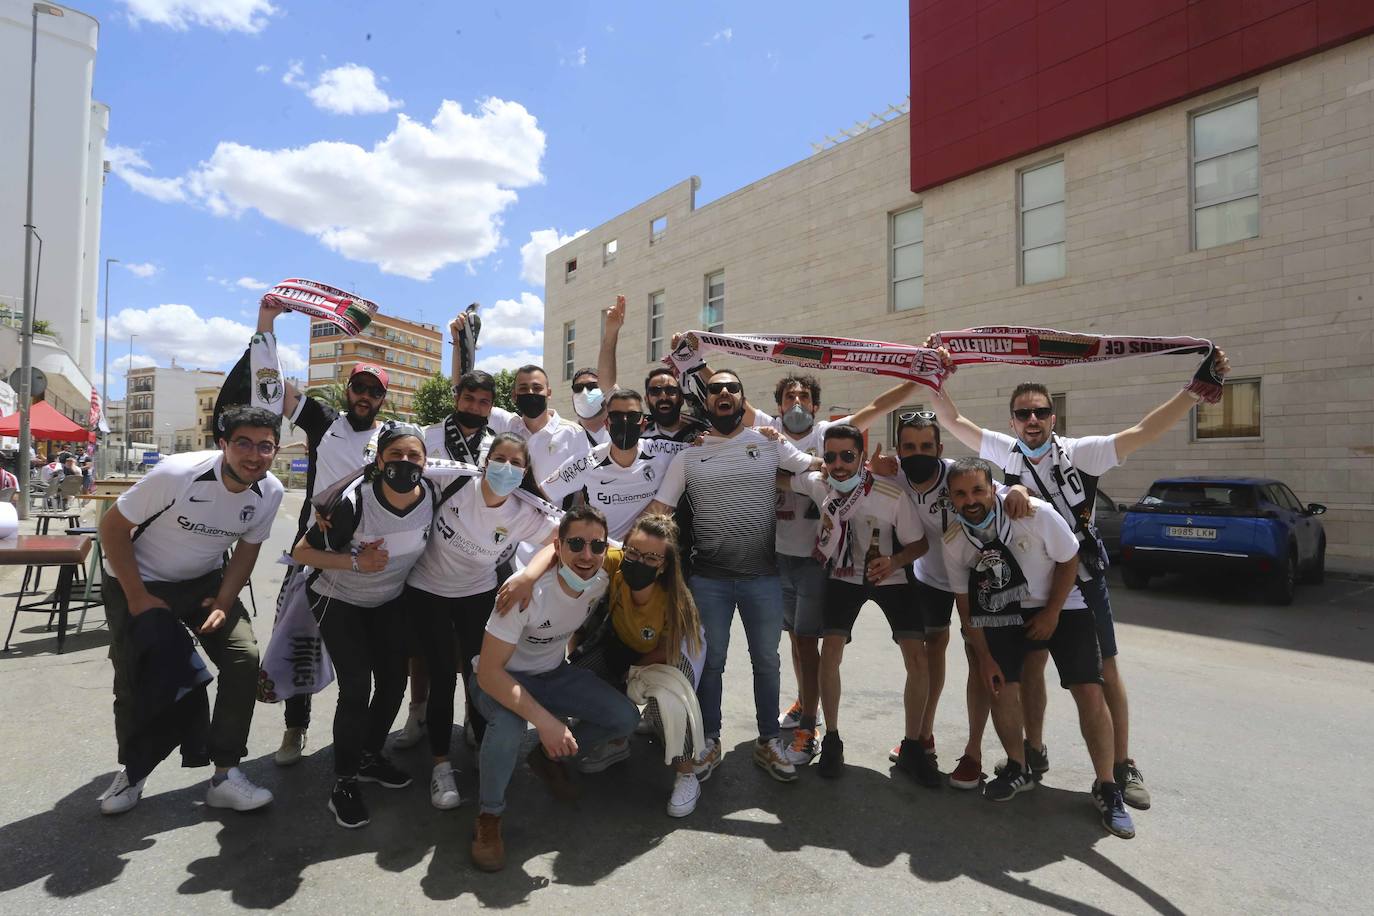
x=1236, y=416
x=1061, y=413
x=1042, y=222
x=908, y=263
x=657, y=226
x=1225, y=170
x=655, y=326
x=570, y=269
x=569, y=349
x=713, y=314
x=324, y=330
x=608, y=251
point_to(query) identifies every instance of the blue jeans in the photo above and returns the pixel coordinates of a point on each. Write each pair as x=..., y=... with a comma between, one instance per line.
x=760, y=609
x=603, y=714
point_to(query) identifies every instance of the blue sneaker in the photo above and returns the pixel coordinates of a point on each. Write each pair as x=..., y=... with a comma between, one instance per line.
x=1109, y=800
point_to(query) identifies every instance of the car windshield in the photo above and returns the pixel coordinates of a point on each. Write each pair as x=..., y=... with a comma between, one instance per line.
x=1201, y=495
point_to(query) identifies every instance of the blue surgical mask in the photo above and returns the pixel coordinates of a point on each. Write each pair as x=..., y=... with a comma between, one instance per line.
x=503, y=478
x=573, y=580
x=843, y=486
x=1036, y=452
x=987, y=519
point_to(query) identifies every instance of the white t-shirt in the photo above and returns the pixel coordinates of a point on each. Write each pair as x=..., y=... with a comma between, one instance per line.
x=186, y=518
x=796, y=512
x=936, y=512
x=1038, y=542
x=881, y=509
x=469, y=536
x=621, y=493
x=555, y=443
x=437, y=447
x=1093, y=455
x=541, y=631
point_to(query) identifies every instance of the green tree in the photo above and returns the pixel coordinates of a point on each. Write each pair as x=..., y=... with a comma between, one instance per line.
x=505, y=381
x=433, y=399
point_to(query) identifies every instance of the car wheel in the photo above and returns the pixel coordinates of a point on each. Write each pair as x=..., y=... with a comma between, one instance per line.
x=1135, y=579
x=1283, y=581
x=1317, y=574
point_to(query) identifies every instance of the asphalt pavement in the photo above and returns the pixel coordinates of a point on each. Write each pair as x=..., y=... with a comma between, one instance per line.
x=1251, y=724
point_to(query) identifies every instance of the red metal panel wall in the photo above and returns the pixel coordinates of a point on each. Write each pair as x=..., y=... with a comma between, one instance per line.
x=994, y=79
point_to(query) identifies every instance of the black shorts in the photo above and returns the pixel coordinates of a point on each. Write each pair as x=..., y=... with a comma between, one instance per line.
x=1073, y=646
x=844, y=599
x=936, y=606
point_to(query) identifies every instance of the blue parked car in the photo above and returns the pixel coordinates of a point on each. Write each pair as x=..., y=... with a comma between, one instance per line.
x=1247, y=526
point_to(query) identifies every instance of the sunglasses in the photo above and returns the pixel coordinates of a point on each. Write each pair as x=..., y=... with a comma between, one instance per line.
x=358, y=386
x=628, y=417
x=577, y=545
x=652, y=559
x=1024, y=413
x=579, y=387
x=659, y=390
x=718, y=387
x=848, y=456
x=911, y=415
x=244, y=446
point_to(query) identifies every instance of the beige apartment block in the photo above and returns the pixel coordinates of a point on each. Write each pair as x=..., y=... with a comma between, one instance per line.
x=810, y=249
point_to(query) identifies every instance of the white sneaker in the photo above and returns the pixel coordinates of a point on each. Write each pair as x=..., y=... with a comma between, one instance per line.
x=443, y=789
x=686, y=792
x=605, y=756
x=237, y=792
x=121, y=795
x=292, y=746
x=707, y=760
x=414, y=729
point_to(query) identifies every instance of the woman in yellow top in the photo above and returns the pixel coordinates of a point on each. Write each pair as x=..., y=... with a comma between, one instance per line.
x=648, y=617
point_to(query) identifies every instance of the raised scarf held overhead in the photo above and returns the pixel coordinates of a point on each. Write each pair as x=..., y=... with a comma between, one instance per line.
x=466, y=342
x=348, y=312
x=1046, y=347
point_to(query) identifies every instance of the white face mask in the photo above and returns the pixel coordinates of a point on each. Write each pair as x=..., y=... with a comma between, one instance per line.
x=588, y=403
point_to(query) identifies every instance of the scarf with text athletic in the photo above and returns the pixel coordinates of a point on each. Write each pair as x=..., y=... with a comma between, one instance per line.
x=1045, y=348
x=834, y=546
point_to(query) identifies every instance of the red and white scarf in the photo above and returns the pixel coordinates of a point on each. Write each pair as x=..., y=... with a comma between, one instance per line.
x=834, y=542
x=318, y=300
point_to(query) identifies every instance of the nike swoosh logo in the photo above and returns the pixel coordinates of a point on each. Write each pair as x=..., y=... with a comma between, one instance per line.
x=335, y=435
x=607, y=483
x=194, y=500
x=707, y=458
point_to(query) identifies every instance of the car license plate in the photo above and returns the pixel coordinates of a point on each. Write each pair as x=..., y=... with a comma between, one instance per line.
x=1192, y=534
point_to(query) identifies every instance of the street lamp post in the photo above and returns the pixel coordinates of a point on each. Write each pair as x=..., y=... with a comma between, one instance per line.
x=26, y=333
x=105, y=371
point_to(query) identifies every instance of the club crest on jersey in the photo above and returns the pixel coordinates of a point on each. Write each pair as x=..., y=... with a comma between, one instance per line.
x=247, y=512
x=647, y=633
x=648, y=472
x=999, y=573
x=499, y=536
x=752, y=451
x=269, y=385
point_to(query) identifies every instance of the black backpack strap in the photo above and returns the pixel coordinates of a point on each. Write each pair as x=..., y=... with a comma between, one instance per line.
x=449, y=490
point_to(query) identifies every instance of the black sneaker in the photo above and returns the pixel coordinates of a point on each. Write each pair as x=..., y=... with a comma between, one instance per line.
x=1009, y=783
x=832, y=756
x=1037, y=761
x=916, y=762
x=346, y=802
x=1110, y=802
x=376, y=768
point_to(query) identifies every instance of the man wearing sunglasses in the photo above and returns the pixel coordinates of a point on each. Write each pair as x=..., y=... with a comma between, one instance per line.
x=1063, y=472
x=615, y=477
x=589, y=404
x=730, y=484
x=523, y=677
x=165, y=542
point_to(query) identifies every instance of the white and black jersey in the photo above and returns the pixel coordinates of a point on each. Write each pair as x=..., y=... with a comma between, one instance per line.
x=186, y=518
x=363, y=515
x=661, y=446
x=731, y=485
x=936, y=512
x=552, y=445
x=797, y=515
x=334, y=448
x=467, y=449
x=595, y=479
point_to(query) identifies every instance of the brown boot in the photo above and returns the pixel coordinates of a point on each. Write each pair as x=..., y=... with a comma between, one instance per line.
x=554, y=773
x=488, y=851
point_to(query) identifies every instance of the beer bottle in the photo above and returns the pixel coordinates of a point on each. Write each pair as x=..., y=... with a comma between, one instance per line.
x=874, y=551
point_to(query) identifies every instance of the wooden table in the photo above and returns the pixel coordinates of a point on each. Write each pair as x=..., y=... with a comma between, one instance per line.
x=65, y=551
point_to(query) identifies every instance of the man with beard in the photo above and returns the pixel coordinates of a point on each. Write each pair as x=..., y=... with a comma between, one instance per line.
x=730, y=482
x=335, y=447
x=165, y=541
x=1013, y=582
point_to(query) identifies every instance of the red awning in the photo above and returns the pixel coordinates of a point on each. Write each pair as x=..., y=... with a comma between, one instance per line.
x=44, y=423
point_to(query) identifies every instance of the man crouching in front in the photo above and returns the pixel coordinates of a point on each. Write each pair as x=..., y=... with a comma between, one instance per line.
x=523, y=676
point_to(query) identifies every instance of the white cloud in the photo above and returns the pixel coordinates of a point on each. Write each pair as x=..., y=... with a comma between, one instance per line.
x=577, y=59
x=263, y=68
x=139, y=362
x=293, y=75
x=724, y=36
x=423, y=197
x=513, y=323
x=130, y=165
x=223, y=15
x=514, y=360
x=142, y=271
x=251, y=283
x=533, y=252
x=350, y=89
x=176, y=331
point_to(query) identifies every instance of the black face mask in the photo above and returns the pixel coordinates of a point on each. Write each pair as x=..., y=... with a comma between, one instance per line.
x=725, y=423
x=637, y=574
x=920, y=467
x=401, y=475
x=669, y=416
x=531, y=405
x=469, y=420
x=624, y=433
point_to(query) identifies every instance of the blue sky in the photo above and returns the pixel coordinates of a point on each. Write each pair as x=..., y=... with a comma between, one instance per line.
x=427, y=154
